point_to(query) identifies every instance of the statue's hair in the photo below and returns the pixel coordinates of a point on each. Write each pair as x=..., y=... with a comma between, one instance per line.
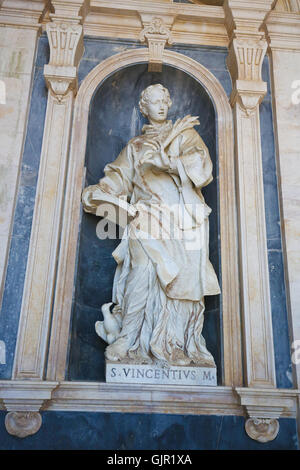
x=145, y=97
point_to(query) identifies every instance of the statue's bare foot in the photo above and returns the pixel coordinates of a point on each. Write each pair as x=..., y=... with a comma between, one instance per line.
x=116, y=351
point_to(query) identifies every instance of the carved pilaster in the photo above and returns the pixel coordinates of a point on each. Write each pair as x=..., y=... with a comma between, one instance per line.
x=246, y=53
x=66, y=47
x=156, y=34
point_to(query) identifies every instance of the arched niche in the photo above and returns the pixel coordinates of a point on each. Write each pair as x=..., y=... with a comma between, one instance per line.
x=114, y=118
x=221, y=148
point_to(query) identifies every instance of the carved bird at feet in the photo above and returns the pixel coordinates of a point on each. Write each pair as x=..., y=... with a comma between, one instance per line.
x=109, y=328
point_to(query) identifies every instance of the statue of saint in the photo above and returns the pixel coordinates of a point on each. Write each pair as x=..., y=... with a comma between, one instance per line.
x=163, y=269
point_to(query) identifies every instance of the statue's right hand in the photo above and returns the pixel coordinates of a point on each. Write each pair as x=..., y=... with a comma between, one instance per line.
x=155, y=150
x=89, y=196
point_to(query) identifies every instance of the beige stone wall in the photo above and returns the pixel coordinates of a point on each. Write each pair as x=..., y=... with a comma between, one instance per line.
x=286, y=80
x=16, y=69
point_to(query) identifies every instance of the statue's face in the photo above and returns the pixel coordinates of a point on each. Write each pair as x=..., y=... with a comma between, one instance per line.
x=157, y=106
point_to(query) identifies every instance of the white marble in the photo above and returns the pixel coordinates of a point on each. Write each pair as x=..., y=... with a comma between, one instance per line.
x=162, y=275
x=152, y=374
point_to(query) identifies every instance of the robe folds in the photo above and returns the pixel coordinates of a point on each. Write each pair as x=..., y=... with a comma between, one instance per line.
x=163, y=267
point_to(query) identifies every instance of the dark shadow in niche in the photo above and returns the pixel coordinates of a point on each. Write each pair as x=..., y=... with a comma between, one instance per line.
x=113, y=120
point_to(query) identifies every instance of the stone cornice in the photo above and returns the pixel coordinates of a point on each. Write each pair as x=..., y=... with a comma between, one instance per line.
x=195, y=31
x=71, y=11
x=23, y=13
x=25, y=395
x=283, y=30
x=246, y=17
x=194, y=24
x=34, y=395
x=24, y=399
x=201, y=12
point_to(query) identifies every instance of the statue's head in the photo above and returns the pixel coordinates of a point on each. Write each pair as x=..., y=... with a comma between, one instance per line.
x=155, y=102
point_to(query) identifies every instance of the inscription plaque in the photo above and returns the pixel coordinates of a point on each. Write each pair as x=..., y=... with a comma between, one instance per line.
x=151, y=374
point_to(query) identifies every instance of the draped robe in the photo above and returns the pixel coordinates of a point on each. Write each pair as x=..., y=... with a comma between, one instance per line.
x=163, y=270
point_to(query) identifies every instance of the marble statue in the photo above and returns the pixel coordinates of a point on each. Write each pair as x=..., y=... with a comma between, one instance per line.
x=163, y=272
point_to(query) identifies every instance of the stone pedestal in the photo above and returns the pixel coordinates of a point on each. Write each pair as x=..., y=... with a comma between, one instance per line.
x=153, y=374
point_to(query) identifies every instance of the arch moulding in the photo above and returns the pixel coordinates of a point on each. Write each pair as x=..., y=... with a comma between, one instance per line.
x=59, y=337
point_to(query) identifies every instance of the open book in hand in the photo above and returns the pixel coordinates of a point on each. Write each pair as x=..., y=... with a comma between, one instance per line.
x=113, y=208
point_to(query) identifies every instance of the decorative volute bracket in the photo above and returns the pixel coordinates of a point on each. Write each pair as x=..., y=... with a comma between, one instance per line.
x=66, y=48
x=263, y=408
x=246, y=55
x=156, y=33
x=65, y=35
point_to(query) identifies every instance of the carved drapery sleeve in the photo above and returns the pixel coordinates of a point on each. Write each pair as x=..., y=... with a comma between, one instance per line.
x=117, y=181
x=195, y=158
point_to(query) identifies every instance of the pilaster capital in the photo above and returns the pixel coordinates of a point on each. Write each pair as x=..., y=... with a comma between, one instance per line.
x=156, y=33
x=66, y=49
x=249, y=94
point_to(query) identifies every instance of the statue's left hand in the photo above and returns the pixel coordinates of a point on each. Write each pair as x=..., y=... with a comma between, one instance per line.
x=188, y=122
